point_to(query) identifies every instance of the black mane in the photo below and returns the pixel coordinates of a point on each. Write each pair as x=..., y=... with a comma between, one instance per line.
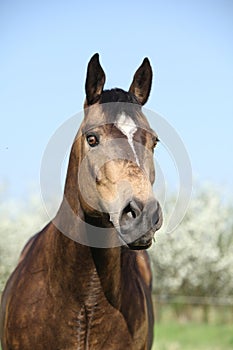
x=117, y=95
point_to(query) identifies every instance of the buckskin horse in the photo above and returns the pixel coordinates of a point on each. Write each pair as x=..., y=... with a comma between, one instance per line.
x=64, y=292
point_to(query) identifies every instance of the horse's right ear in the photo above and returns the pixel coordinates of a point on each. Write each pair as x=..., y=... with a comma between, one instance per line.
x=94, y=81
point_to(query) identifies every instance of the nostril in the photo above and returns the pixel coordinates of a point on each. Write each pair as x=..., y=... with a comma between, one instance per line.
x=155, y=217
x=130, y=213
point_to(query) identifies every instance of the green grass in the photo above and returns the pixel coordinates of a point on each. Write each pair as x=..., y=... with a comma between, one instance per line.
x=192, y=336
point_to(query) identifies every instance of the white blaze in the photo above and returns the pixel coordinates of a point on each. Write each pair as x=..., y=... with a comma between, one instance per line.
x=127, y=126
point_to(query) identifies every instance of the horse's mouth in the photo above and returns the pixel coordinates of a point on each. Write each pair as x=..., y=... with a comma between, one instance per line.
x=143, y=242
x=139, y=246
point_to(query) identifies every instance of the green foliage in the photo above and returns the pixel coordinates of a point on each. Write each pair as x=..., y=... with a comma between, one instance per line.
x=196, y=259
x=18, y=222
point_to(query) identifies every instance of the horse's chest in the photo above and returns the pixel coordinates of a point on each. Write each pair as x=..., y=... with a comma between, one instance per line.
x=99, y=327
x=63, y=321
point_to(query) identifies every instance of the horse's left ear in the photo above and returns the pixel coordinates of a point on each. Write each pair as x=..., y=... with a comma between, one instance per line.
x=142, y=80
x=94, y=81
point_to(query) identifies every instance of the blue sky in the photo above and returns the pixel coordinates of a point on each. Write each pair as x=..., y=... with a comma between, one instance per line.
x=45, y=47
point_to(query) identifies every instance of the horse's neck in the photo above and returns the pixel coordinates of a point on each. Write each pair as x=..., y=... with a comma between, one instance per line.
x=84, y=270
x=84, y=267
x=108, y=266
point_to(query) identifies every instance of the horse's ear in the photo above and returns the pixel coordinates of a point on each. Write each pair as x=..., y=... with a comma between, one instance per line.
x=94, y=81
x=142, y=80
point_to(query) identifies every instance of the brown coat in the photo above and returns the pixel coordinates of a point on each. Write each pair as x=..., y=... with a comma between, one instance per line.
x=63, y=295
x=67, y=295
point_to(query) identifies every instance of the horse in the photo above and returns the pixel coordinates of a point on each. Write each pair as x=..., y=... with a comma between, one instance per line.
x=84, y=281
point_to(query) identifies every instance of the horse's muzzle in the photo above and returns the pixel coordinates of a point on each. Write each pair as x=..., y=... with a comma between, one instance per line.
x=139, y=222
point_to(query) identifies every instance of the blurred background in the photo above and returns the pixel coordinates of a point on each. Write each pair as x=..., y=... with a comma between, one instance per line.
x=45, y=47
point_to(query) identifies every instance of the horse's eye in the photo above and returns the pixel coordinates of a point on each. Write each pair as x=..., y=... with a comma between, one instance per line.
x=156, y=140
x=92, y=140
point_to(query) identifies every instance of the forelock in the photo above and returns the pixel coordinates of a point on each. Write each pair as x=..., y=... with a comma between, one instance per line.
x=117, y=95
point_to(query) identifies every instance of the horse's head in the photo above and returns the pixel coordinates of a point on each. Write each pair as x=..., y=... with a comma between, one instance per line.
x=114, y=148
